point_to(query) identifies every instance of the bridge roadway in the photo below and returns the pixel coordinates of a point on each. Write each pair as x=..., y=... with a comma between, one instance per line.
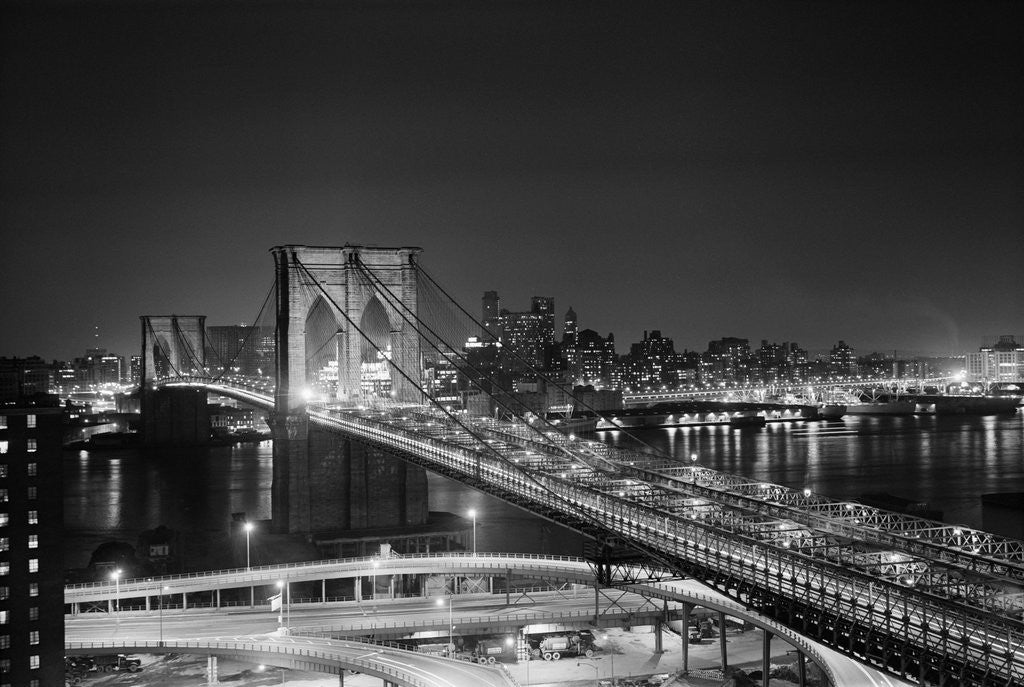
x=313, y=643
x=918, y=598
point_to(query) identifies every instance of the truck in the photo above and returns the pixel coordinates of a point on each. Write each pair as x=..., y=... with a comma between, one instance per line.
x=115, y=662
x=493, y=650
x=555, y=647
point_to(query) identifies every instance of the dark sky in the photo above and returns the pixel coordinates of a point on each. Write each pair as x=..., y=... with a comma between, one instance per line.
x=808, y=171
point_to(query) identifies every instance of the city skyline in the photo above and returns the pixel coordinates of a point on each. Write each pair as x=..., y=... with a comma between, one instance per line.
x=786, y=172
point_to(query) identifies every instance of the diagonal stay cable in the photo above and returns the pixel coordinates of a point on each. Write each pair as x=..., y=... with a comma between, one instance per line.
x=420, y=325
x=510, y=465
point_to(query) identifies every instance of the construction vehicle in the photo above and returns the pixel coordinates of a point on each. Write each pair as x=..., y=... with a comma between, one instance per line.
x=494, y=650
x=555, y=647
x=115, y=663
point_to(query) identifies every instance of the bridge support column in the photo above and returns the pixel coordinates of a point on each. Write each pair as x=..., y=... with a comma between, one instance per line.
x=658, y=648
x=801, y=669
x=211, y=670
x=184, y=601
x=323, y=590
x=358, y=590
x=323, y=481
x=217, y=601
x=766, y=654
x=721, y=641
x=147, y=602
x=686, y=637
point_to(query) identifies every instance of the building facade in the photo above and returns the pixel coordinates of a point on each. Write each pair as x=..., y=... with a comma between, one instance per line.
x=31, y=555
x=1000, y=362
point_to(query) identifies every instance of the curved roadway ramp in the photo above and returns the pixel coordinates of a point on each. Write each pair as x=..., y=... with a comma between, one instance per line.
x=411, y=668
x=315, y=654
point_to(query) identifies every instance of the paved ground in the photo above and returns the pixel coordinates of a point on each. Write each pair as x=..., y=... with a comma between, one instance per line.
x=628, y=653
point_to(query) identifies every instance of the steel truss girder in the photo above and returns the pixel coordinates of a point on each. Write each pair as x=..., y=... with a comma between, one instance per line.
x=730, y=561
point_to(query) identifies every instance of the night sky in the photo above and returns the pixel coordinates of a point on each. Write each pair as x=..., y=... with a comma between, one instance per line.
x=799, y=171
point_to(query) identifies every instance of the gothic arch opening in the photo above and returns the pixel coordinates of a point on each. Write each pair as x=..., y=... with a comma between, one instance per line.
x=321, y=347
x=375, y=349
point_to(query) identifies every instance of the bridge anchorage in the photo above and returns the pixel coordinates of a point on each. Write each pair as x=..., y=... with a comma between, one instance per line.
x=935, y=603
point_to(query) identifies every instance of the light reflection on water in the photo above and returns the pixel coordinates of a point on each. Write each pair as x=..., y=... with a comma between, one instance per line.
x=947, y=461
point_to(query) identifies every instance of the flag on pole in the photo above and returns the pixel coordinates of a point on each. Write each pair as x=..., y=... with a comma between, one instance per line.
x=275, y=602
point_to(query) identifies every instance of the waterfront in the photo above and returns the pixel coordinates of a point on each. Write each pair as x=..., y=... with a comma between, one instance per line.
x=947, y=461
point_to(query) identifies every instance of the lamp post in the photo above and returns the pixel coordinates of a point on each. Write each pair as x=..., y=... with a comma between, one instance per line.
x=472, y=514
x=162, y=590
x=373, y=580
x=451, y=626
x=248, y=529
x=611, y=657
x=591, y=665
x=286, y=592
x=116, y=576
x=693, y=461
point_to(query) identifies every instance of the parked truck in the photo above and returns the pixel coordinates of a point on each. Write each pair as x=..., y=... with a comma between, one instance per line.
x=555, y=647
x=116, y=662
x=494, y=650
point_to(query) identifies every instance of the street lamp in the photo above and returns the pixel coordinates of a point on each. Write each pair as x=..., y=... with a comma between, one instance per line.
x=287, y=593
x=248, y=529
x=451, y=626
x=693, y=460
x=162, y=590
x=472, y=514
x=611, y=657
x=116, y=576
x=591, y=665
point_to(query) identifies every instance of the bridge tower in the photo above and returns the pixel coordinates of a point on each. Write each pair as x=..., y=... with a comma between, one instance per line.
x=325, y=302
x=173, y=346
x=336, y=274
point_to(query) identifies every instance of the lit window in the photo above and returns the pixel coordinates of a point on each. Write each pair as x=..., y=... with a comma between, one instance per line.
x=5, y=663
x=30, y=421
x=33, y=661
x=33, y=565
x=31, y=467
x=33, y=541
x=33, y=613
x=3, y=447
x=32, y=493
x=3, y=519
x=5, y=544
x=33, y=637
x=31, y=445
x=3, y=421
x=3, y=496
x=33, y=517
x=3, y=470
x=5, y=593
x=5, y=568
x=33, y=589
x=5, y=641
x=33, y=683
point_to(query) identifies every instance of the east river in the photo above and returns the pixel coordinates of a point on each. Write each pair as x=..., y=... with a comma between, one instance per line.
x=948, y=462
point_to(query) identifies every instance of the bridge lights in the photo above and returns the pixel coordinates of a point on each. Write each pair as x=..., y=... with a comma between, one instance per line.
x=286, y=593
x=807, y=492
x=693, y=462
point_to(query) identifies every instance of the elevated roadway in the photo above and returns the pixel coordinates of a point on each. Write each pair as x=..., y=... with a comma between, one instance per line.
x=919, y=598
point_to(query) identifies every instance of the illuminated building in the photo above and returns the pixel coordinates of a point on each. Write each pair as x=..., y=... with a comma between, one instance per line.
x=31, y=555
x=1000, y=362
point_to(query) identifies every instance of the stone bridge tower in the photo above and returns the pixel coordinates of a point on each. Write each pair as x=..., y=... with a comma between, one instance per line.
x=321, y=481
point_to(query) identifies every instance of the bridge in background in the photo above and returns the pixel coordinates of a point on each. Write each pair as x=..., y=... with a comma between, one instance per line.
x=936, y=603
